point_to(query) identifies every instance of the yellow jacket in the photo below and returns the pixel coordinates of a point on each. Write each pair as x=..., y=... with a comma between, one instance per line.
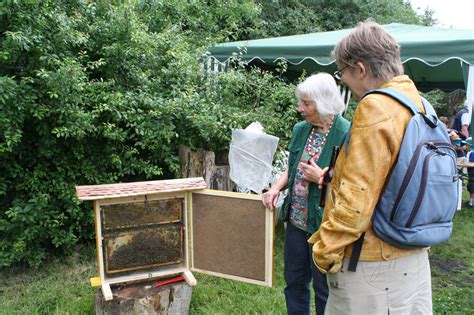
x=377, y=131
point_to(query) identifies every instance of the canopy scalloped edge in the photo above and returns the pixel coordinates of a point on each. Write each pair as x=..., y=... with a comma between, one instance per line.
x=332, y=62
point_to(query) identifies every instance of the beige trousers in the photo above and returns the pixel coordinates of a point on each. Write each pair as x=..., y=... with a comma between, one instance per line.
x=399, y=286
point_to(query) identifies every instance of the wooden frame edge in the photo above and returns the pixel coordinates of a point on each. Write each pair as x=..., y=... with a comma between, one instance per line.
x=99, y=249
x=231, y=277
x=269, y=246
x=147, y=275
x=107, y=292
x=229, y=194
x=141, y=198
x=188, y=276
x=189, y=229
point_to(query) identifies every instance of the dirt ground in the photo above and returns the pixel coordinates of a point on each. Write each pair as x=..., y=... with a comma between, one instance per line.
x=455, y=273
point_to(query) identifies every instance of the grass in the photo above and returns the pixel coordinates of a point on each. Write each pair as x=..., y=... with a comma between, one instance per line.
x=213, y=295
x=61, y=286
x=452, y=268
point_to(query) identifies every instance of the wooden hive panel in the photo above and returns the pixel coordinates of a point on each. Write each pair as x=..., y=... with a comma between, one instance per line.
x=229, y=236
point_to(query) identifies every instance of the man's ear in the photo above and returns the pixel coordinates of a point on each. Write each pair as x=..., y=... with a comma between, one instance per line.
x=362, y=70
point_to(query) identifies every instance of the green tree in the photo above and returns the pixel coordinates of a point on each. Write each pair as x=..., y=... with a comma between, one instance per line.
x=282, y=17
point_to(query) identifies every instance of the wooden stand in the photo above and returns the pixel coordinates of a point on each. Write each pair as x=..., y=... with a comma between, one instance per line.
x=145, y=298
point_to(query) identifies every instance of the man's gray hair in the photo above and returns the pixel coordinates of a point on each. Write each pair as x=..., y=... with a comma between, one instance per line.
x=370, y=44
x=324, y=92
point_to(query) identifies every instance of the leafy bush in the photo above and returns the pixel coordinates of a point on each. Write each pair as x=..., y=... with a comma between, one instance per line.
x=96, y=93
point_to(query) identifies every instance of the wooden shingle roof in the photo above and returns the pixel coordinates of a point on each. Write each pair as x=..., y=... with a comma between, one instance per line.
x=96, y=192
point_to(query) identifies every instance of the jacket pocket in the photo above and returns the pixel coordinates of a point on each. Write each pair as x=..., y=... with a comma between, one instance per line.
x=349, y=202
x=294, y=153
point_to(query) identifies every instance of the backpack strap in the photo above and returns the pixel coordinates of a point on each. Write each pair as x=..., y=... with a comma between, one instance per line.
x=347, y=138
x=400, y=97
x=405, y=101
x=428, y=108
x=356, y=249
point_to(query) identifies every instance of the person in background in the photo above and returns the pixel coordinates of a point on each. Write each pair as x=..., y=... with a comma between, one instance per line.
x=320, y=103
x=454, y=136
x=462, y=120
x=388, y=280
x=445, y=121
x=462, y=124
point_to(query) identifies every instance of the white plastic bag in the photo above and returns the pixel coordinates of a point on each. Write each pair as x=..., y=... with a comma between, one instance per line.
x=280, y=165
x=251, y=157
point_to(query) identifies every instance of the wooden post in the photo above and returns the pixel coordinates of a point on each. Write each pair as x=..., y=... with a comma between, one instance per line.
x=201, y=163
x=144, y=298
x=197, y=163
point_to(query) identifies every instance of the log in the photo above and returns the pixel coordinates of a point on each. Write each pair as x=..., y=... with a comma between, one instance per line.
x=196, y=163
x=219, y=178
x=144, y=298
x=213, y=167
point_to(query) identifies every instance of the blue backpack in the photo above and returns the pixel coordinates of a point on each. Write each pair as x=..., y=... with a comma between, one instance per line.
x=420, y=199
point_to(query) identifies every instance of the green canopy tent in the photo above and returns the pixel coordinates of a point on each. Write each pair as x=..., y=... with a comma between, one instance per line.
x=432, y=57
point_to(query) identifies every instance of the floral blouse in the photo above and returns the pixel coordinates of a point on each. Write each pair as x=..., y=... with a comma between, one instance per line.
x=298, y=209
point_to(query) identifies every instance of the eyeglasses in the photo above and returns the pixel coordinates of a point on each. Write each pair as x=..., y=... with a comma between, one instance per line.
x=338, y=74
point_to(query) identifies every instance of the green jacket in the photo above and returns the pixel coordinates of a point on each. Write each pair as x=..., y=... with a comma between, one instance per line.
x=298, y=140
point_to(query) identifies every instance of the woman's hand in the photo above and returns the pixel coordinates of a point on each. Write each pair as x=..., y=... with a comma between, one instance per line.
x=270, y=198
x=311, y=172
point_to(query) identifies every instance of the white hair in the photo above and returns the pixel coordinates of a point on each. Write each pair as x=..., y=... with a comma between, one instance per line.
x=322, y=89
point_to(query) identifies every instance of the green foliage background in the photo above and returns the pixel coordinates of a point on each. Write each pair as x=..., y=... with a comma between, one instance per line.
x=96, y=92
x=290, y=17
x=105, y=92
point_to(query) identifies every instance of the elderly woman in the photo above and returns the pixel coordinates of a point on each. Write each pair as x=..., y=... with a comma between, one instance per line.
x=388, y=279
x=311, y=144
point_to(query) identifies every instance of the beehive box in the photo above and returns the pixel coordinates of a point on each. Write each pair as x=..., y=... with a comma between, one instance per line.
x=173, y=227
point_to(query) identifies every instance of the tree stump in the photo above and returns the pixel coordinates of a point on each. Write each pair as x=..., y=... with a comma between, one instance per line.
x=213, y=167
x=144, y=298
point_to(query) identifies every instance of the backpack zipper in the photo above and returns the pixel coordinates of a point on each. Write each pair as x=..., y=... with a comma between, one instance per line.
x=421, y=191
x=411, y=169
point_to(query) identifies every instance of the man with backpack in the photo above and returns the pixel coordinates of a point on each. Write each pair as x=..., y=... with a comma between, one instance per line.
x=383, y=278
